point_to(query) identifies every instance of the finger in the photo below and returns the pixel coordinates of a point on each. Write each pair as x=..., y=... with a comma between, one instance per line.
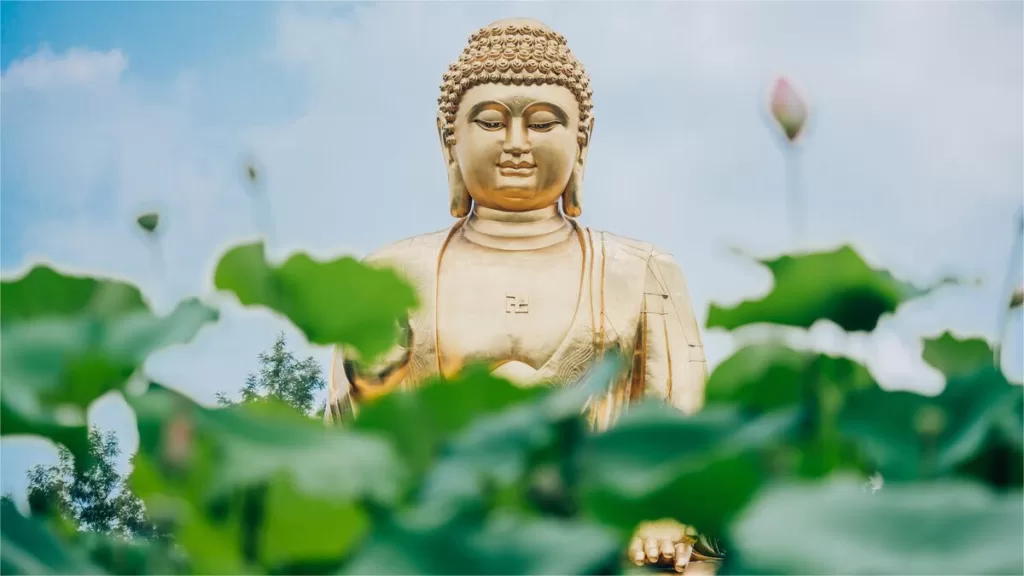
x=668, y=549
x=653, y=550
x=682, y=552
x=636, y=551
x=700, y=568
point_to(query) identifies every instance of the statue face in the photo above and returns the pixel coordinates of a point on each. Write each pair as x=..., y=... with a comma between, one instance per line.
x=516, y=145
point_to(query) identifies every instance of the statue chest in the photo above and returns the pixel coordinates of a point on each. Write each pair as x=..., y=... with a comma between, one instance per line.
x=497, y=306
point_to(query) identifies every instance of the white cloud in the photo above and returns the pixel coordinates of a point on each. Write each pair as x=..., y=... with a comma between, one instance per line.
x=45, y=71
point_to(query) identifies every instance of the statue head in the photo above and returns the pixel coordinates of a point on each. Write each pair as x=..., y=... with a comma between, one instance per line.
x=514, y=118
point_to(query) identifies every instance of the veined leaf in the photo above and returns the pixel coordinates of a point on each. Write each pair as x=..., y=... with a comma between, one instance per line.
x=341, y=301
x=837, y=286
x=68, y=340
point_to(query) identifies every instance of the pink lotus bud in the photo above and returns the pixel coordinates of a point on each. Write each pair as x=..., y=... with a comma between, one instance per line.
x=788, y=109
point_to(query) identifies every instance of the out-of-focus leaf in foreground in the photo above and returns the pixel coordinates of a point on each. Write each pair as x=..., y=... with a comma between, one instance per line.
x=501, y=544
x=418, y=422
x=977, y=415
x=765, y=378
x=342, y=301
x=29, y=547
x=837, y=286
x=836, y=527
x=69, y=340
x=956, y=357
x=116, y=555
x=657, y=463
x=232, y=479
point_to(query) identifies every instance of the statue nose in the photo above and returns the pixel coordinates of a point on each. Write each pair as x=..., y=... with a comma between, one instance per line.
x=517, y=140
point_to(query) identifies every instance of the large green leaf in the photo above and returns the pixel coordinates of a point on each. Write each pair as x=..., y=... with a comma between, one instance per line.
x=763, y=378
x=232, y=479
x=29, y=547
x=500, y=544
x=117, y=555
x=956, y=357
x=340, y=301
x=656, y=463
x=418, y=422
x=908, y=435
x=838, y=527
x=249, y=444
x=837, y=286
x=300, y=529
x=68, y=340
x=46, y=293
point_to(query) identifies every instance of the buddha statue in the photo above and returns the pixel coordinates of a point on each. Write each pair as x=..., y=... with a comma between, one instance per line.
x=517, y=282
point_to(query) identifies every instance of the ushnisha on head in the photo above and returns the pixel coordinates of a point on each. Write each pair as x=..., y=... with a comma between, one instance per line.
x=515, y=120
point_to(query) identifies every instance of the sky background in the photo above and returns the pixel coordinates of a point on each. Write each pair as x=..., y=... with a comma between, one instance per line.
x=913, y=155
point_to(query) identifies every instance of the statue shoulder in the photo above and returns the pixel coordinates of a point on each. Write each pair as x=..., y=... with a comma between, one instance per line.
x=638, y=250
x=409, y=252
x=617, y=246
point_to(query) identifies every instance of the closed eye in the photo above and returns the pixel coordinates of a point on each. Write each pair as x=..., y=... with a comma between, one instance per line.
x=490, y=125
x=542, y=126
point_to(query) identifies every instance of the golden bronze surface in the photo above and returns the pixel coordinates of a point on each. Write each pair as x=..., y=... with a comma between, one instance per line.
x=517, y=282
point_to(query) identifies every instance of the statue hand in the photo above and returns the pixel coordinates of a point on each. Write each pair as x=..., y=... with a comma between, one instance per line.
x=667, y=543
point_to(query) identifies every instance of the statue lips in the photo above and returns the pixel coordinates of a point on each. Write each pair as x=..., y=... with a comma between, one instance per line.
x=509, y=168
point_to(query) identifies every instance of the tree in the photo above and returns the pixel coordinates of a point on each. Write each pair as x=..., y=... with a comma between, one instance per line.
x=284, y=378
x=97, y=499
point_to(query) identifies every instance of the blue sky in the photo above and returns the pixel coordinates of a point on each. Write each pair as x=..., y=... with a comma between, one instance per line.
x=914, y=153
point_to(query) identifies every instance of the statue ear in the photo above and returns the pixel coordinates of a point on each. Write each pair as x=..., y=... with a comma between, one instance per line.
x=572, y=202
x=459, y=201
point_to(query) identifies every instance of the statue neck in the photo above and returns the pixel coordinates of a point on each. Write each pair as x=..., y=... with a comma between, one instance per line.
x=530, y=230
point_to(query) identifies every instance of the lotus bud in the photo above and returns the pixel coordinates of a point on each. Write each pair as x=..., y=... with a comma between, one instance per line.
x=788, y=109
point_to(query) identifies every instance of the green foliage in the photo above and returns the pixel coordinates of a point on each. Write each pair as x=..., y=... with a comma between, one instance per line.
x=282, y=378
x=148, y=221
x=475, y=475
x=837, y=527
x=340, y=301
x=233, y=478
x=29, y=547
x=908, y=436
x=837, y=286
x=69, y=340
x=96, y=499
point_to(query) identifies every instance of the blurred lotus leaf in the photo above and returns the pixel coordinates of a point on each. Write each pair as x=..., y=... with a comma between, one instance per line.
x=837, y=286
x=340, y=301
x=909, y=435
x=117, y=555
x=657, y=463
x=503, y=543
x=419, y=422
x=149, y=221
x=767, y=377
x=30, y=547
x=69, y=340
x=838, y=527
x=257, y=484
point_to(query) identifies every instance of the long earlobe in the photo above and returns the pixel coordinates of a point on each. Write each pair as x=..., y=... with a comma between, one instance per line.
x=572, y=197
x=458, y=197
x=572, y=202
x=459, y=201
